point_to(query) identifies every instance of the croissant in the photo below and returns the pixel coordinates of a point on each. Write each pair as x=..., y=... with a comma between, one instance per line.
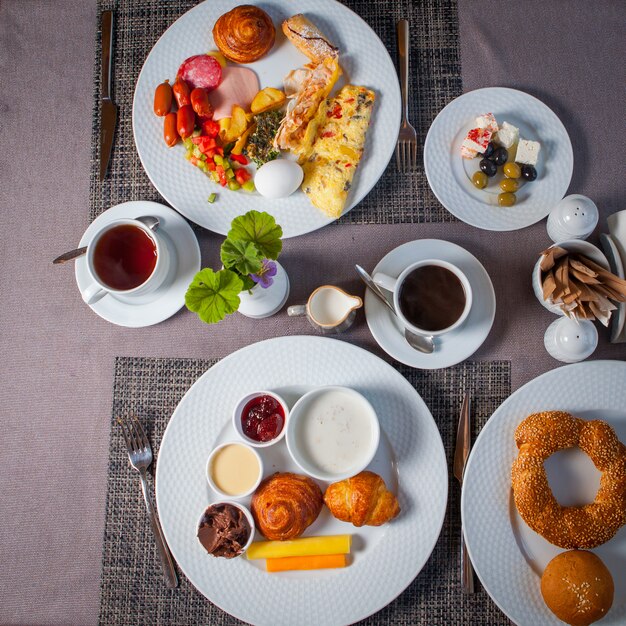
x=285, y=505
x=244, y=34
x=362, y=500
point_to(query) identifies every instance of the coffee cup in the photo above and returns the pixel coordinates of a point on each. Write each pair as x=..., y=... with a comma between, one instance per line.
x=126, y=258
x=431, y=297
x=329, y=309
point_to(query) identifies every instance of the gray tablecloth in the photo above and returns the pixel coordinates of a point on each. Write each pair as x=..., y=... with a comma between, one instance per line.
x=58, y=357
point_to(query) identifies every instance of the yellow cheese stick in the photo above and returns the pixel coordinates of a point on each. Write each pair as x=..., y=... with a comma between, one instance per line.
x=305, y=546
x=324, y=561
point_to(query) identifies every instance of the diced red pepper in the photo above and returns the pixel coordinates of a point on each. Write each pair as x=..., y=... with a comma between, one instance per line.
x=242, y=175
x=210, y=128
x=193, y=160
x=336, y=112
x=348, y=164
x=205, y=144
x=238, y=158
x=222, y=174
x=211, y=165
x=328, y=133
x=349, y=100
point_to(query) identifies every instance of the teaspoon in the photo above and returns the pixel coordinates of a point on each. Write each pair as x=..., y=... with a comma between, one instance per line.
x=422, y=343
x=147, y=220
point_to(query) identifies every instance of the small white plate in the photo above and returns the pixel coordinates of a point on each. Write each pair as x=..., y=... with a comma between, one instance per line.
x=449, y=175
x=151, y=308
x=507, y=555
x=410, y=458
x=453, y=347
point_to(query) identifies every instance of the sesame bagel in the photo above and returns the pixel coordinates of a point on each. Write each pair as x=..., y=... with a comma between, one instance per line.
x=541, y=435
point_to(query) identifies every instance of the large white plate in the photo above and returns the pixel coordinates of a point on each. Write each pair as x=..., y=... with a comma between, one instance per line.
x=386, y=559
x=509, y=558
x=449, y=175
x=365, y=61
x=453, y=347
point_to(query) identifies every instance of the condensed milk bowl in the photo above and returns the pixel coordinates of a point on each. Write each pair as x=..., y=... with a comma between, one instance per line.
x=234, y=470
x=332, y=433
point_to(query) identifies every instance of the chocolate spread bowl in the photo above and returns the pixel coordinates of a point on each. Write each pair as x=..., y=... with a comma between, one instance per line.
x=226, y=529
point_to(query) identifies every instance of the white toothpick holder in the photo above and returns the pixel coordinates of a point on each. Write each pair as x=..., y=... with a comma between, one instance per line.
x=574, y=217
x=571, y=341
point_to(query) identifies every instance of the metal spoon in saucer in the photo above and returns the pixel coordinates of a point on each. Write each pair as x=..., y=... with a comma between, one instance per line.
x=147, y=220
x=422, y=343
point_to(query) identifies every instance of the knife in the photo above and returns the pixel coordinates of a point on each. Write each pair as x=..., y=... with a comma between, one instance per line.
x=108, y=110
x=461, y=452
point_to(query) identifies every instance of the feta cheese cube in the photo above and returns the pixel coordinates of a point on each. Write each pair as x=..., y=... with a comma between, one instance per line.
x=476, y=141
x=527, y=152
x=507, y=135
x=488, y=121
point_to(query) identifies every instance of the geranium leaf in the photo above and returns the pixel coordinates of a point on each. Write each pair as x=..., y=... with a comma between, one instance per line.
x=242, y=256
x=261, y=230
x=213, y=295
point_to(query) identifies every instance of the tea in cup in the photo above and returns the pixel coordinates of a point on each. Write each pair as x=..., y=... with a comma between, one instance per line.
x=125, y=257
x=329, y=309
x=431, y=297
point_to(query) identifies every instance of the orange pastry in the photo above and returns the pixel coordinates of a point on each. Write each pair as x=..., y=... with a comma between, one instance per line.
x=285, y=505
x=363, y=500
x=244, y=34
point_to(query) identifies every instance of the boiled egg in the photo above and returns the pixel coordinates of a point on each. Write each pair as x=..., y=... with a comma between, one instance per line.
x=278, y=178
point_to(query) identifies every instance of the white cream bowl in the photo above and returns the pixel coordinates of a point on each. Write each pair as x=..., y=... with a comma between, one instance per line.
x=307, y=409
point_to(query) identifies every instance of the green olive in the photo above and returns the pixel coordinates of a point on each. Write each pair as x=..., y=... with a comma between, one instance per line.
x=479, y=180
x=512, y=170
x=509, y=185
x=506, y=199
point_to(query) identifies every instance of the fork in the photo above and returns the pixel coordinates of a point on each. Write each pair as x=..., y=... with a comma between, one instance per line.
x=406, y=149
x=140, y=456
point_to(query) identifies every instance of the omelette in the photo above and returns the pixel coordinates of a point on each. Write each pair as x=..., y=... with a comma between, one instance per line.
x=340, y=127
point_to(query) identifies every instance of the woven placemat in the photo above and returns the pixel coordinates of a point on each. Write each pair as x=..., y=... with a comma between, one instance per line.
x=435, y=79
x=132, y=588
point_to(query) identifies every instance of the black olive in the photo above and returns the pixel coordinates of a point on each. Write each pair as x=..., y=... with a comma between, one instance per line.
x=489, y=167
x=529, y=172
x=500, y=156
x=488, y=153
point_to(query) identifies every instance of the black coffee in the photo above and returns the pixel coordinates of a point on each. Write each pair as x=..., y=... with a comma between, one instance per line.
x=432, y=297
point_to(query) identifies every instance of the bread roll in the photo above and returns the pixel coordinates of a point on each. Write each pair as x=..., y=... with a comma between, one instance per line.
x=285, y=505
x=308, y=38
x=577, y=587
x=362, y=500
x=244, y=34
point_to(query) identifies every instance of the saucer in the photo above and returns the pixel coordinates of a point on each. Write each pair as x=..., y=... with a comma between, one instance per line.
x=154, y=307
x=458, y=344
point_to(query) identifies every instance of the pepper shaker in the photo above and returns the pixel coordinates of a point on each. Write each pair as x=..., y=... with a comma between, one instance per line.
x=571, y=341
x=574, y=217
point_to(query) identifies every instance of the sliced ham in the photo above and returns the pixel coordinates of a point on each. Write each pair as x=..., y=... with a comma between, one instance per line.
x=201, y=70
x=239, y=86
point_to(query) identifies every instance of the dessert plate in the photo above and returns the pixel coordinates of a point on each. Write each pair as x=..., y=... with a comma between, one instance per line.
x=508, y=557
x=449, y=175
x=385, y=559
x=458, y=344
x=364, y=60
x=151, y=308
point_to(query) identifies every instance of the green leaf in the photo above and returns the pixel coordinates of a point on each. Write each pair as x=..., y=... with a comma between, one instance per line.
x=260, y=229
x=243, y=256
x=213, y=295
x=248, y=283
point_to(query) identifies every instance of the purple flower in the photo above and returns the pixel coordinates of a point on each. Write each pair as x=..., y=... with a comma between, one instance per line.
x=265, y=275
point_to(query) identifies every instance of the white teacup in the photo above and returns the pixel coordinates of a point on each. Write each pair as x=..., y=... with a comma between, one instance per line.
x=98, y=288
x=394, y=285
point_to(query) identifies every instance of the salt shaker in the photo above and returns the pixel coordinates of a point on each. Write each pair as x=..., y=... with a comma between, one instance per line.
x=571, y=341
x=574, y=217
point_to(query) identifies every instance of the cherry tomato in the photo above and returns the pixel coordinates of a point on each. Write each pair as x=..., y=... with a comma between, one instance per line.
x=185, y=121
x=170, y=134
x=181, y=92
x=163, y=99
x=200, y=102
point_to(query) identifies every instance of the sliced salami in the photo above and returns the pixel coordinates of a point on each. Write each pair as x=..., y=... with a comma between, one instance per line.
x=201, y=70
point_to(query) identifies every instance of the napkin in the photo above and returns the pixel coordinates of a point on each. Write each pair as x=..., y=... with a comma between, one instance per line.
x=617, y=232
